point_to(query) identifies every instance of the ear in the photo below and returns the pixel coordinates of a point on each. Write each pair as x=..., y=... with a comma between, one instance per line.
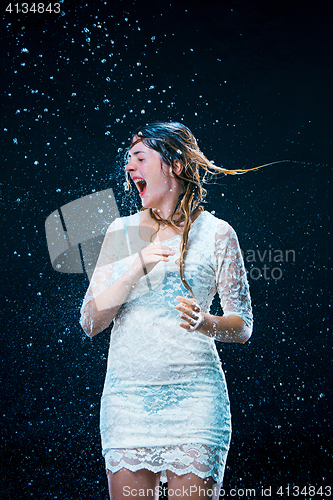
x=177, y=167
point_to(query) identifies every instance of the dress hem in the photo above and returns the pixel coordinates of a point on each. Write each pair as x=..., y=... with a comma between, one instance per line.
x=217, y=478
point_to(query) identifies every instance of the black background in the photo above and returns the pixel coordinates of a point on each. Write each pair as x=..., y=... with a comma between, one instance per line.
x=253, y=81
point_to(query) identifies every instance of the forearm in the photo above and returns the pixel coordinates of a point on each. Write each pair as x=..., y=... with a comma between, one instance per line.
x=225, y=328
x=101, y=311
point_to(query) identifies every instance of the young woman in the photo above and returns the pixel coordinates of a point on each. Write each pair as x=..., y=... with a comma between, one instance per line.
x=165, y=406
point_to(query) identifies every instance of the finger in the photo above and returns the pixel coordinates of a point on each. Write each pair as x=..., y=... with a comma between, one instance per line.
x=189, y=312
x=191, y=302
x=186, y=326
x=154, y=246
x=184, y=309
x=155, y=256
x=159, y=251
x=185, y=302
x=189, y=319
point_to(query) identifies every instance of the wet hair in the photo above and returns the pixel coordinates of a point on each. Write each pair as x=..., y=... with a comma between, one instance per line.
x=176, y=143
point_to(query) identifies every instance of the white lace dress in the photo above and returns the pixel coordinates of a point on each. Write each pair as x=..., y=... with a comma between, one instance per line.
x=165, y=403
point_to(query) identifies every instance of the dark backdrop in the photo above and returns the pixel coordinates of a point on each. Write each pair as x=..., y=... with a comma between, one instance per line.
x=253, y=80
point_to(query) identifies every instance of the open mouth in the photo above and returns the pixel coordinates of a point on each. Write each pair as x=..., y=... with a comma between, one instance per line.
x=141, y=185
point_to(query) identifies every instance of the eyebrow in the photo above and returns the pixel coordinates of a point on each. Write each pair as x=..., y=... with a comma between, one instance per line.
x=135, y=153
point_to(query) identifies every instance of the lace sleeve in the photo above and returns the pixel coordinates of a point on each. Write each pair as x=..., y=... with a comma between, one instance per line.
x=232, y=284
x=104, y=274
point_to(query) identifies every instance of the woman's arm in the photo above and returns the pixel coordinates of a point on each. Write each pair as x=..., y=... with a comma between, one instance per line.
x=230, y=328
x=225, y=328
x=98, y=312
x=233, y=289
x=101, y=310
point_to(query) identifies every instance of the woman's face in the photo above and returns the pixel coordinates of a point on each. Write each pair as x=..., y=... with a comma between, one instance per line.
x=153, y=178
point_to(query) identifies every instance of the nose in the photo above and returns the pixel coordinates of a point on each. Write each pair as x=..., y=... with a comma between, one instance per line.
x=129, y=167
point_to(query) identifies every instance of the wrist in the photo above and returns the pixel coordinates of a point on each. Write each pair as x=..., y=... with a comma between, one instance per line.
x=207, y=325
x=229, y=329
x=130, y=277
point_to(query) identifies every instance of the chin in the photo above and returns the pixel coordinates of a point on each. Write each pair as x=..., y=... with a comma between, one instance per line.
x=145, y=202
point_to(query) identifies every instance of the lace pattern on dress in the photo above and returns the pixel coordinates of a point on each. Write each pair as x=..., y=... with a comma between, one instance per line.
x=232, y=284
x=164, y=386
x=202, y=460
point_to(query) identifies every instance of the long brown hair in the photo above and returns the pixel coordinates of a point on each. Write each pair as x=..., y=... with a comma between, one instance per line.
x=176, y=143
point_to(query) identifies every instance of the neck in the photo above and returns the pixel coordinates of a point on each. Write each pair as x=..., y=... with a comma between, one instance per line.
x=165, y=213
x=161, y=214
x=170, y=204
